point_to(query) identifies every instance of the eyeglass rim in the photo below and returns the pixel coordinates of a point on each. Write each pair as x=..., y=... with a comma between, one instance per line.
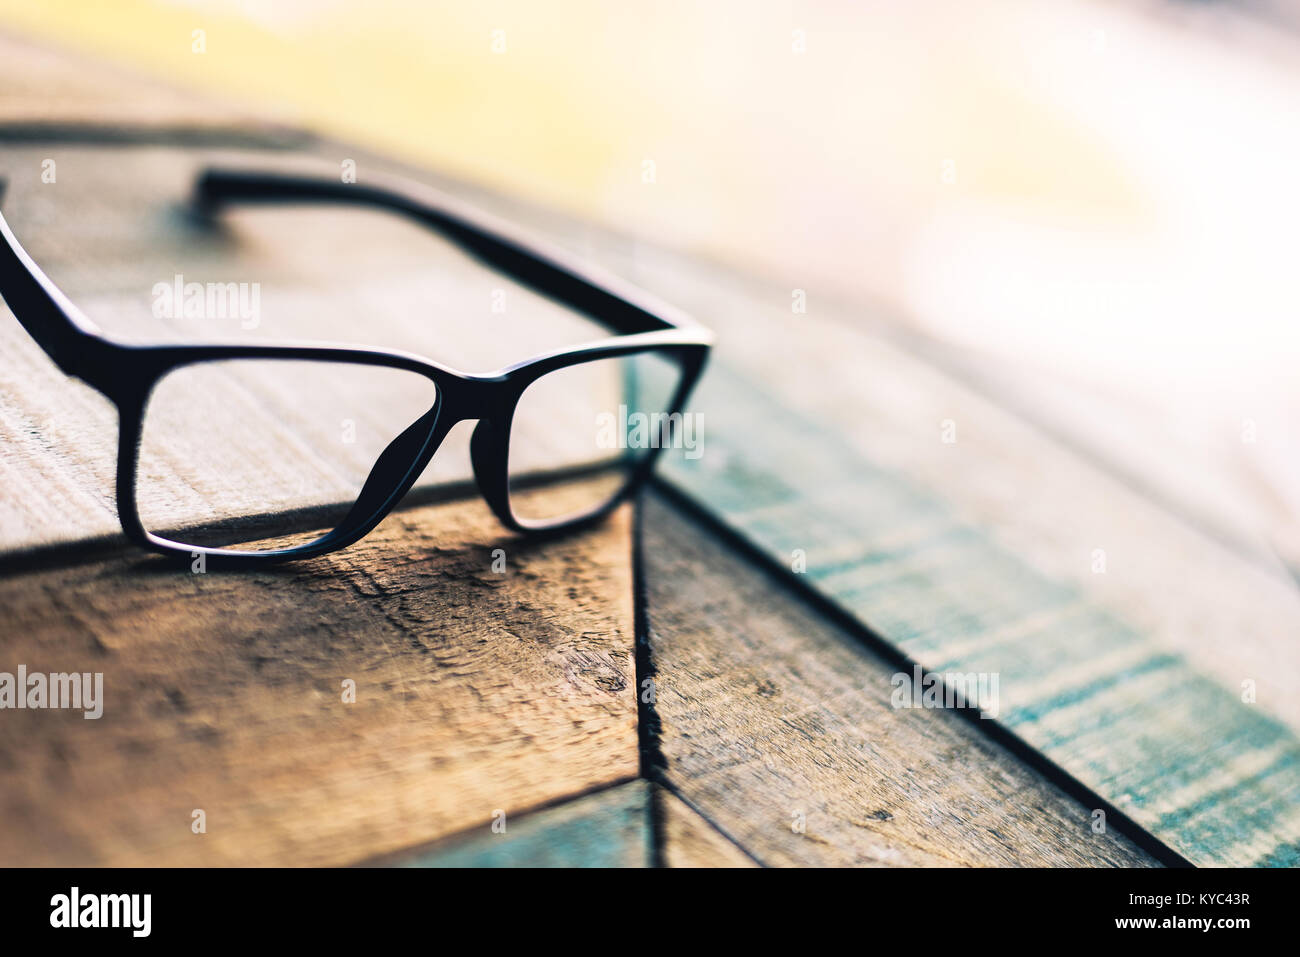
x=490, y=400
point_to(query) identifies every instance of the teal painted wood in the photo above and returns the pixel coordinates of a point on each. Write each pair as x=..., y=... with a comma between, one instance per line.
x=608, y=829
x=1215, y=778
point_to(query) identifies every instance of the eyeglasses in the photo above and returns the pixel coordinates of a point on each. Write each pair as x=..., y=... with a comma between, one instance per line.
x=561, y=438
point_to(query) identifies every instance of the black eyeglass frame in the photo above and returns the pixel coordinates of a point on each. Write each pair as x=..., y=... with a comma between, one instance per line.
x=127, y=373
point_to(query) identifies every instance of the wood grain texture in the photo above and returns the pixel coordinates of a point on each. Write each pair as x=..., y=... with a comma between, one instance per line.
x=611, y=828
x=691, y=841
x=1133, y=680
x=608, y=829
x=223, y=692
x=1149, y=659
x=772, y=720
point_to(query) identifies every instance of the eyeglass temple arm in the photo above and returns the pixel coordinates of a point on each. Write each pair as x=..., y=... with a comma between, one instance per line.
x=49, y=317
x=606, y=298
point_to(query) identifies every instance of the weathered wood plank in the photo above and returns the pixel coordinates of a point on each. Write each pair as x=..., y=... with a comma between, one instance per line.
x=1148, y=659
x=778, y=727
x=611, y=828
x=1141, y=702
x=608, y=829
x=691, y=841
x=475, y=691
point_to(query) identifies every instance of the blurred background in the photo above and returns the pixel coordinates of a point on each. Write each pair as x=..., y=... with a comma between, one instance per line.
x=1085, y=206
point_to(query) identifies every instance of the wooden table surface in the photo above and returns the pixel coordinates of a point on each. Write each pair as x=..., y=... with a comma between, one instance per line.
x=671, y=688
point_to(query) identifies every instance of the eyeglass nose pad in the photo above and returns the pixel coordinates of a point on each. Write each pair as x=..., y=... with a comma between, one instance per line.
x=392, y=471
